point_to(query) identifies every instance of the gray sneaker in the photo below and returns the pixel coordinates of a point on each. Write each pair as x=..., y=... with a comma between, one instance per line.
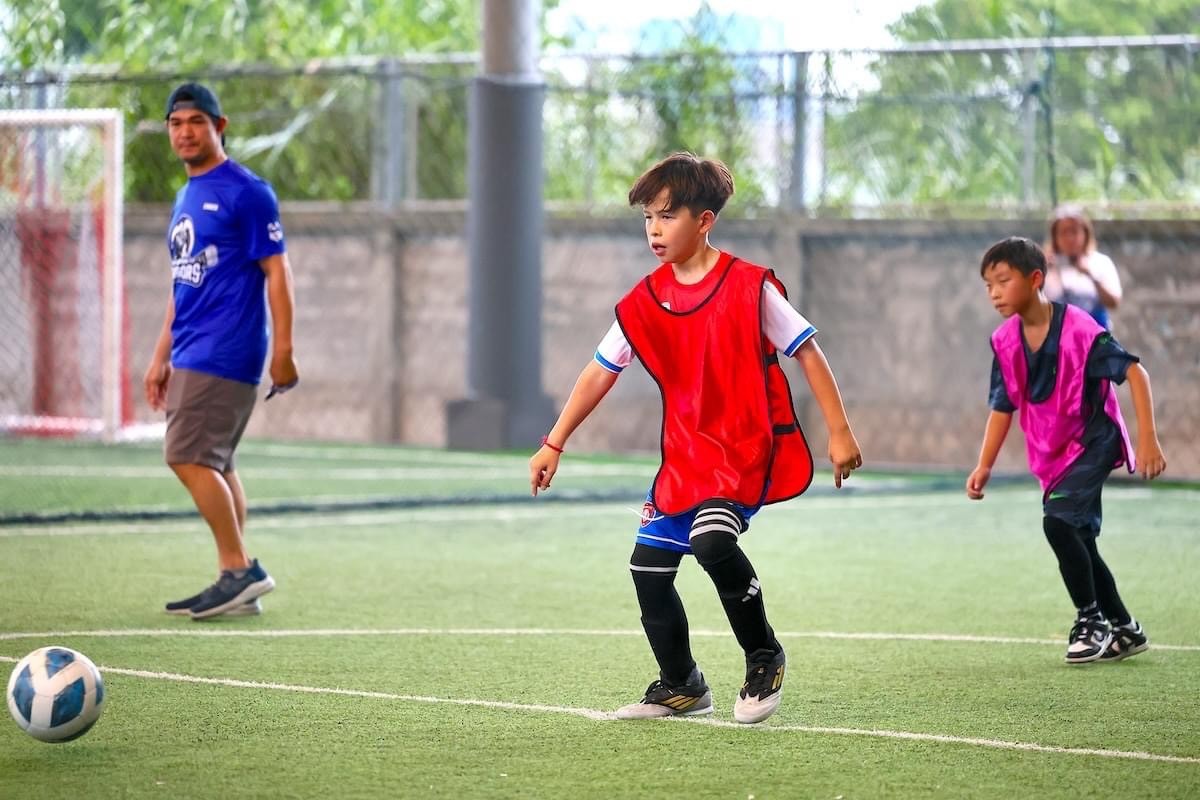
x=183, y=608
x=230, y=591
x=251, y=609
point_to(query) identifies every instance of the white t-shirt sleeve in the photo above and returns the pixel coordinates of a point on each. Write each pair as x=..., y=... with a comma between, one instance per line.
x=614, y=353
x=1067, y=280
x=784, y=326
x=1106, y=273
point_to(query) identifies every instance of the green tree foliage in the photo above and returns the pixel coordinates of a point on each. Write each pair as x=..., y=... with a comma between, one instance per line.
x=689, y=94
x=1112, y=125
x=313, y=135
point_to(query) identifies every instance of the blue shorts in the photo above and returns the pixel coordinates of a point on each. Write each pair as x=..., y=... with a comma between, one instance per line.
x=673, y=532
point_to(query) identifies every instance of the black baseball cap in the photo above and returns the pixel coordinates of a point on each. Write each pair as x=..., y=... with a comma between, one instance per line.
x=194, y=95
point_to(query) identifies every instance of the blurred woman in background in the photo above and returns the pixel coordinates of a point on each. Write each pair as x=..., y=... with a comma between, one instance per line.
x=1077, y=273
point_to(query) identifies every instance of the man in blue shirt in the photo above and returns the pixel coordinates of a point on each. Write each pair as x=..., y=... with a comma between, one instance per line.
x=226, y=245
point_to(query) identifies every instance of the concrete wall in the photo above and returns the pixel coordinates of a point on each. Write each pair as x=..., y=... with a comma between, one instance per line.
x=380, y=328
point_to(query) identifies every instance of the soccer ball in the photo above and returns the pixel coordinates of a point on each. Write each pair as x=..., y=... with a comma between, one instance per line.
x=55, y=694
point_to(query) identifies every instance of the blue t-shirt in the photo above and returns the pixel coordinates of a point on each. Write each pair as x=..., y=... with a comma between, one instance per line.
x=223, y=223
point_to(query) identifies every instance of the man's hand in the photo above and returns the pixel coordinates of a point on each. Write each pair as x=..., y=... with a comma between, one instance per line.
x=845, y=455
x=283, y=369
x=158, y=374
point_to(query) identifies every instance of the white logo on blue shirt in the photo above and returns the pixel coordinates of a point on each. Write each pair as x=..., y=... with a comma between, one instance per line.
x=185, y=267
x=275, y=231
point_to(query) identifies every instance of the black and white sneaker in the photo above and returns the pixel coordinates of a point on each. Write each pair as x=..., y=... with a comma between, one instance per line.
x=763, y=689
x=230, y=592
x=1088, y=640
x=690, y=700
x=1127, y=640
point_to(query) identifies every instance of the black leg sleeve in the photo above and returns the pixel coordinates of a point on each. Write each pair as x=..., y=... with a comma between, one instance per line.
x=714, y=540
x=1106, y=586
x=1074, y=561
x=663, y=617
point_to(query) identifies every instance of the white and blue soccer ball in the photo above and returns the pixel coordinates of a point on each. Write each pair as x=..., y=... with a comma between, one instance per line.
x=55, y=694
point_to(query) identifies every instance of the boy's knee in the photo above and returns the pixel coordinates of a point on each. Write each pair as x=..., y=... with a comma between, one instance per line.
x=715, y=531
x=1059, y=532
x=713, y=547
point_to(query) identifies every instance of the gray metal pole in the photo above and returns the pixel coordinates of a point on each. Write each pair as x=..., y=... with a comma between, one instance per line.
x=506, y=406
x=799, y=128
x=389, y=183
x=1029, y=110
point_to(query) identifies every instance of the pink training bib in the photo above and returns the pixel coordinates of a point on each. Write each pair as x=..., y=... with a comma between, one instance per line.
x=1053, y=427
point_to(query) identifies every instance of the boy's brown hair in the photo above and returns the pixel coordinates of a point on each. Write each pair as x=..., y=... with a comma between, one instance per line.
x=697, y=184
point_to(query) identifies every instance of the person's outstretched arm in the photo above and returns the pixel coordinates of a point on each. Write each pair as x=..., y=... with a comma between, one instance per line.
x=843, y=447
x=593, y=383
x=998, y=424
x=1149, y=454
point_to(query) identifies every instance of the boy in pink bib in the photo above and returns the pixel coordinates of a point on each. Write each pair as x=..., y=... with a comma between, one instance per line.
x=1056, y=367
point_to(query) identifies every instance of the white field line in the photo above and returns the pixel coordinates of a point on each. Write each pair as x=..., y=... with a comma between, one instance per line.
x=594, y=714
x=268, y=633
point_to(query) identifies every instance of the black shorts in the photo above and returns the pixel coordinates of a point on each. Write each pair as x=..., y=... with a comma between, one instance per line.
x=1076, y=498
x=206, y=416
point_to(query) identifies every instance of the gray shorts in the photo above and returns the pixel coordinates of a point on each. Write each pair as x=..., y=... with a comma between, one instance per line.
x=206, y=416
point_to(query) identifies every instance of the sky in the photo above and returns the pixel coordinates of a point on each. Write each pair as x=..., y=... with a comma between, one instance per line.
x=613, y=25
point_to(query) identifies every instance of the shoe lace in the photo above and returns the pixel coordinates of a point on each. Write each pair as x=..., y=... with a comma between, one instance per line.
x=759, y=676
x=1084, y=628
x=656, y=691
x=224, y=585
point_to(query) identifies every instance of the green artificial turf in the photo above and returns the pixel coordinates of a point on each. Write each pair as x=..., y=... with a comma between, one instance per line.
x=527, y=611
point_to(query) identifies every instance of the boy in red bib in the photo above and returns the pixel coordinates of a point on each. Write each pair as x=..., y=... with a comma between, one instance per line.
x=709, y=328
x=1056, y=366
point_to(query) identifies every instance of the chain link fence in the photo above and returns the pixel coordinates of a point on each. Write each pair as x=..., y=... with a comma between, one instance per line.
x=872, y=181
x=949, y=130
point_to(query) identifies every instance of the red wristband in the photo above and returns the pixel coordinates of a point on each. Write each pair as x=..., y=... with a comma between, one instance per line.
x=555, y=448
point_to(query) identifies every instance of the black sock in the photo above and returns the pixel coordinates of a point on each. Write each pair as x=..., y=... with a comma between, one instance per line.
x=663, y=617
x=1106, y=586
x=1074, y=561
x=714, y=543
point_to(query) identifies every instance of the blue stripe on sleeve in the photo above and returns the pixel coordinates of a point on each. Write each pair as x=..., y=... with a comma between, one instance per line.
x=804, y=336
x=608, y=365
